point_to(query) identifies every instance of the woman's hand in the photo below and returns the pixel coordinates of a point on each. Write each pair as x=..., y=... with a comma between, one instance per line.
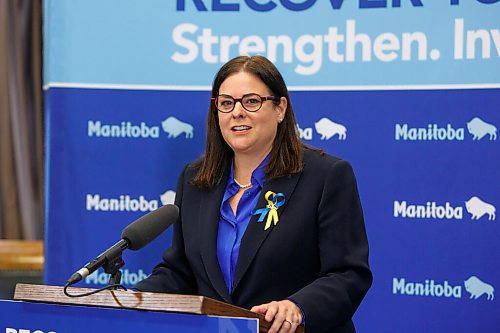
x=285, y=315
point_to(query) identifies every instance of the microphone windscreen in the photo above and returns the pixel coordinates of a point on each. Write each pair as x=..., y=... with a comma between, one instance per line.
x=143, y=230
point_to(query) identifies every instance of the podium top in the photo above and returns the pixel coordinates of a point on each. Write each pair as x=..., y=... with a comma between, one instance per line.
x=138, y=301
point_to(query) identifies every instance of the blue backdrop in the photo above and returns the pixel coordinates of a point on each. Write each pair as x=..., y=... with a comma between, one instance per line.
x=407, y=91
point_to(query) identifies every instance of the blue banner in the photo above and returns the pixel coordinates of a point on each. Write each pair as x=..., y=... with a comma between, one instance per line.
x=407, y=91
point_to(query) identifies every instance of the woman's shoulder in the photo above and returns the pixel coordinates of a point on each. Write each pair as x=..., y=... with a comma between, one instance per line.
x=321, y=163
x=323, y=167
x=318, y=157
x=191, y=168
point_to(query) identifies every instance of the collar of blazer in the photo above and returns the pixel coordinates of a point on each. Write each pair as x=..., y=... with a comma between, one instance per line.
x=254, y=236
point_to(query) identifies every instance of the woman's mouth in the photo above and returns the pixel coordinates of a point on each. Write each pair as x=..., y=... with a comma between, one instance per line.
x=240, y=128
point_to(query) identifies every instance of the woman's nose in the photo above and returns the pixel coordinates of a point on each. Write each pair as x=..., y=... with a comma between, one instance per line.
x=238, y=111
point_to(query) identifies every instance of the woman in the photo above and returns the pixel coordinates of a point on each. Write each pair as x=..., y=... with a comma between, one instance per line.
x=265, y=222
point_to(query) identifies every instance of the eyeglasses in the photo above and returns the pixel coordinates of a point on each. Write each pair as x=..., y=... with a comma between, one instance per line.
x=250, y=102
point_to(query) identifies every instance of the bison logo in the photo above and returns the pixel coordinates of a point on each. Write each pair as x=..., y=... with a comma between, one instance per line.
x=329, y=129
x=476, y=288
x=479, y=128
x=478, y=208
x=168, y=197
x=174, y=127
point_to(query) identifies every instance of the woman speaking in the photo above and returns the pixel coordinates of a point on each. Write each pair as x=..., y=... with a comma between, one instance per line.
x=265, y=222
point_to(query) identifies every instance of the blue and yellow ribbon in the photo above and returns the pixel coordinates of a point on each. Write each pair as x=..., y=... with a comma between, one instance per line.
x=274, y=201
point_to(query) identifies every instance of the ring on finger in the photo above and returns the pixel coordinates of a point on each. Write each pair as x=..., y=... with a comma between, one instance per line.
x=289, y=321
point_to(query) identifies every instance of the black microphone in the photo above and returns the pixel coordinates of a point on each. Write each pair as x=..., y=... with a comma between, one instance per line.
x=135, y=236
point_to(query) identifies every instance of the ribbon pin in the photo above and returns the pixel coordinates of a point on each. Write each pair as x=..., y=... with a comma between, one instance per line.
x=274, y=201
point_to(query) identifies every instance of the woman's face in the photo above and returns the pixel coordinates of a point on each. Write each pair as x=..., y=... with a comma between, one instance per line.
x=250, y=133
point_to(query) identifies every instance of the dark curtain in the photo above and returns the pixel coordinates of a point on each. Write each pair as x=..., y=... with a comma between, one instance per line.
x=21, y=120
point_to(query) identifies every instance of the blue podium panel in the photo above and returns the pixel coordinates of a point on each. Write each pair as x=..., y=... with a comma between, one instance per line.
x=23, y=317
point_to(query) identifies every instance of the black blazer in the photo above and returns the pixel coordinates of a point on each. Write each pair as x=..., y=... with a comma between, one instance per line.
x=316, y=256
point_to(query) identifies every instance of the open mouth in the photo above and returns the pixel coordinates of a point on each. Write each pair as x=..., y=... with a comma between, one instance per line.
x=240, y=128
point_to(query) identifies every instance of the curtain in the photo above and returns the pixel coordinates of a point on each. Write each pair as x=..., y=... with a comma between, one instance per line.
x=21, y=120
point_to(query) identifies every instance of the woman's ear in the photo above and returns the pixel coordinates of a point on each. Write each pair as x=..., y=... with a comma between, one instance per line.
x=282, y=107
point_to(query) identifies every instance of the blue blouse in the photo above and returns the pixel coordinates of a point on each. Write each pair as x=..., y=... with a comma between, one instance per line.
x=231, y=227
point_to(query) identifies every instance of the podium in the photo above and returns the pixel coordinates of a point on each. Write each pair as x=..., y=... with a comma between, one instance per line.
x=46, y=309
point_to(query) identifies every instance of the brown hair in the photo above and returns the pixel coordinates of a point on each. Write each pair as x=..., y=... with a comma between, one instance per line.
x=287, y=149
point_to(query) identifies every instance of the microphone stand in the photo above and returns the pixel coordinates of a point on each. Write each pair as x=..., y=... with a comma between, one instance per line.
x=113, y=262
x=113, y=267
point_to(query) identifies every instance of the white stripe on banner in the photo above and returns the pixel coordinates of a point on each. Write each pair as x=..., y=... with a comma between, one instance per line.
x=291, y=88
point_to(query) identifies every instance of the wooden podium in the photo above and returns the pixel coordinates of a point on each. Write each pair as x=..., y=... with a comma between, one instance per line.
x=141, y=302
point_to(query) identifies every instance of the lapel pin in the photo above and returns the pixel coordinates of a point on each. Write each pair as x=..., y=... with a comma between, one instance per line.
x=274, y=201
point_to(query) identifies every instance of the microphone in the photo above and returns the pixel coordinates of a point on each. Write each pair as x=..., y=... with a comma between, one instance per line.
x=135, y=236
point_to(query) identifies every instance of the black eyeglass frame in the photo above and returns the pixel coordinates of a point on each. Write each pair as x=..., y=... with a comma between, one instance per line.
x=263, y=99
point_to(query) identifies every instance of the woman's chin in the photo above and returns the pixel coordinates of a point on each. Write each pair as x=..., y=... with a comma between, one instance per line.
x=240, y=144
x=242, y=149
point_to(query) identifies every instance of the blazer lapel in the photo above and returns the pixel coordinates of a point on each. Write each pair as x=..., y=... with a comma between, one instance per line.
x=208, y=221
x=255, y=234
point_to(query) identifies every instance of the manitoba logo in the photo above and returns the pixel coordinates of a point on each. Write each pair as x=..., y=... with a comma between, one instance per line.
x=127, y=203
x=168, y=197
x=329, y=129
x=429, y=210
x=324, y=127
x=172, y=126
x=125, y=129
x=122, y=203
x=477, y=128
x=428, y=287
x=478, y=208
x=432, y=288
x=477, y=288
x=305, y=133
x=433, y=132
x=128, y=277
x=444, y=210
